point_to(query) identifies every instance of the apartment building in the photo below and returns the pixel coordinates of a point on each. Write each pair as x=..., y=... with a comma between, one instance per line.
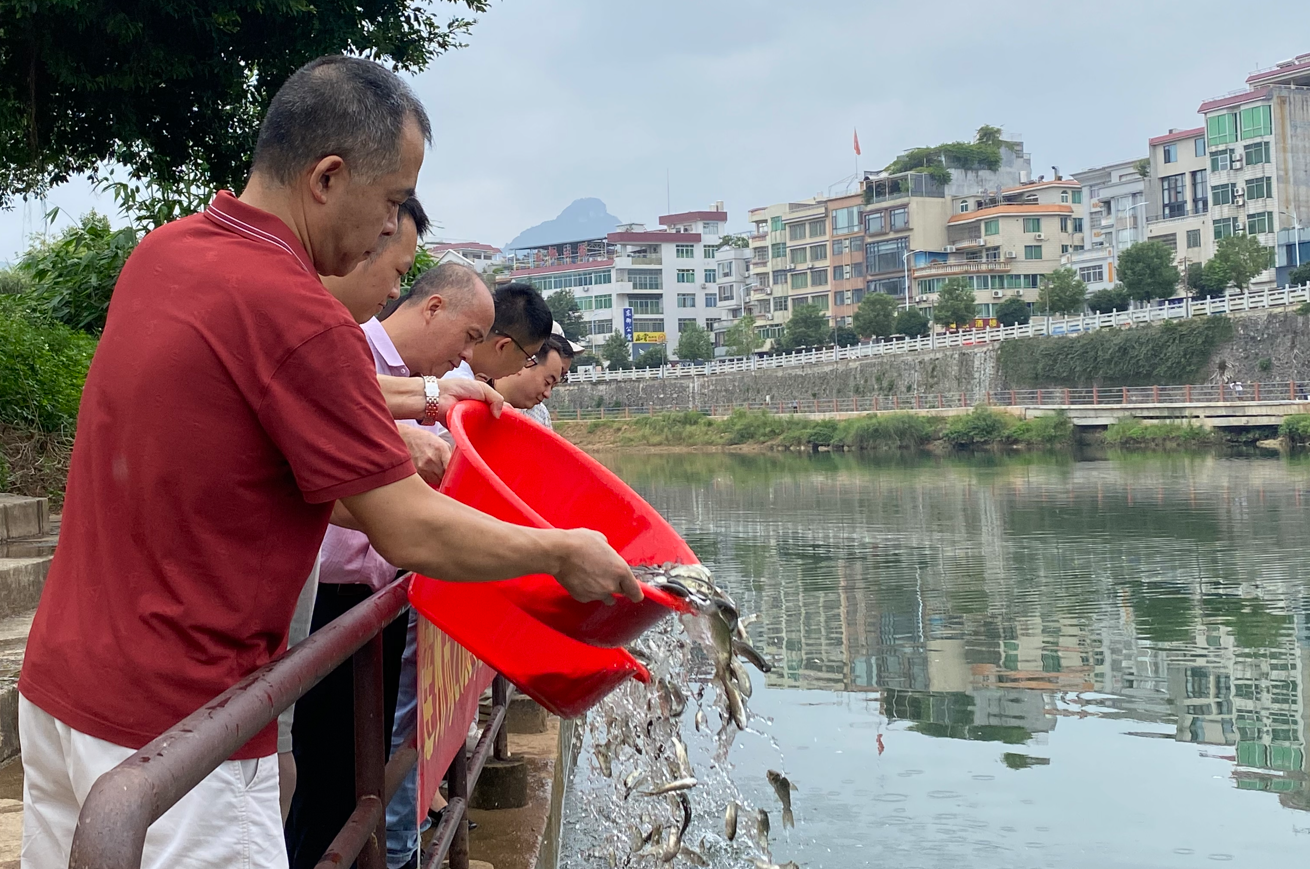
x=648, y=284
x=1178, y=196
x=1259, y=151
x=1114, y=208
x=773, y=262
x=846, y=234
x=1003, y=244
x=477, y=255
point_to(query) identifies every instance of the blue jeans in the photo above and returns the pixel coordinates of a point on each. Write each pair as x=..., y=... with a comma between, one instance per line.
x=402, y=832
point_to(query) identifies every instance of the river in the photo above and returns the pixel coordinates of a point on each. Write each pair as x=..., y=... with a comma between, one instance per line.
x=1019, y=662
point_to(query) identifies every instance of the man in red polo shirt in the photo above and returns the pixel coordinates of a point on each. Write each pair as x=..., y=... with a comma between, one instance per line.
x=230, y=404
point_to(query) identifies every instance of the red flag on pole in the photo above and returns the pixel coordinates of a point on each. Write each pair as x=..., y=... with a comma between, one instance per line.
x=857, y=143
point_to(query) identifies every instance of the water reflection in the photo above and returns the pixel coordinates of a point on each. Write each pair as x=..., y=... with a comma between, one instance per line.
x=994, y=601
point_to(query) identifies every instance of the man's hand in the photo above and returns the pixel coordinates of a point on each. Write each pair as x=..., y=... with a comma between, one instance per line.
x=429, y=452
x=591, y=570
x=456, y=389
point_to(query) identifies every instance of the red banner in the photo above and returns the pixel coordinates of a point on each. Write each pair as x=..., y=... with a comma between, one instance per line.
x=450, y=681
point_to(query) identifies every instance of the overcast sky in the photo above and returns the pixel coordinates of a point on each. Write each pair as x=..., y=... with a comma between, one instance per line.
x=755, y=102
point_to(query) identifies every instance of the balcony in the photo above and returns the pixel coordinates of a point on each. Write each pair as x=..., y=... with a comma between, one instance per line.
x=967, y=243
x=627, y=262
x=964, y=267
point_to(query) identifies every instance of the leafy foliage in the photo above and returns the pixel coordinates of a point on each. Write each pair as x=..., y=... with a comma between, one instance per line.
x=1132, y=432
x=955, y=306
x=1148, y=272
x=1143, y=167
x=1299, y=276
x=175, y=90
x=1062, y=292
x=73, y=275
x=1110, y=299
x=1296, y=428
x=911, y=322
x=43, y=366
x=808, y=327
x=737, y=241
x=695, y=344
x=652, y=357
x=13, y=281
x=1207, y=281
x=617, y=351
x=1013, y=312
x=1048, y=430
x=876, y=316
x=844, y=336
x=423, y=260
x=980, y=426
x=1171, y=353
x=564, y=309
x=938, y=161
x=741, y=339
x=1241, y=258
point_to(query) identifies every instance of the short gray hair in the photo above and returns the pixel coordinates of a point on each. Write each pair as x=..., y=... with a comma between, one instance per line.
x=336, y=105
x=451, y=281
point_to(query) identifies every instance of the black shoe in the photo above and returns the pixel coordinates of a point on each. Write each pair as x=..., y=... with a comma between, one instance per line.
x=435, y=817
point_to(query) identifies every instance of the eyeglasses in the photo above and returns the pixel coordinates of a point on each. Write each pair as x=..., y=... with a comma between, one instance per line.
x=529, y=359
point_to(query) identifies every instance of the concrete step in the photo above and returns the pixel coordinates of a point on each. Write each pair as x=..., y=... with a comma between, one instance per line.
x=13, y=644
x=21, y=516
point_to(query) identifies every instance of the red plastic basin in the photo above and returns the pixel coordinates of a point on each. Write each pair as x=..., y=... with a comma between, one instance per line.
x=559, y=651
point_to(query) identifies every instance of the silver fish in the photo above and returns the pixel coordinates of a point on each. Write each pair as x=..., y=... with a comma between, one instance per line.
x=740, y=677
x=736, y=709
x=730, y=821
x=630, y=783
x=751, y=654
x=692, y=857
x=762, y=830
x=783, y=788
x=745, y=622
x=701, y=723
x=671, y=846
x=603, y=758
x=761, y=863
x=681, y=784
x=680, y=752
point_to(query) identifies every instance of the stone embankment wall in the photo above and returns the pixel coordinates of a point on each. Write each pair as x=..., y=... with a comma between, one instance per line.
x=1281, y=338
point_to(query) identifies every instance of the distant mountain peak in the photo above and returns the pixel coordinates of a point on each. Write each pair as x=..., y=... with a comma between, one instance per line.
x=582, y=219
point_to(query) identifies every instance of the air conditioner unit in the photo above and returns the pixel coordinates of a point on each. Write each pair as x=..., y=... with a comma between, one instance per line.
x=920, y=298
x=997, y=294
x=1041, y=236
x=1010, y=254
x=1237, y=161
x=1018, y=292
x=1239, y=200
x=768, y=315
x=950, y=248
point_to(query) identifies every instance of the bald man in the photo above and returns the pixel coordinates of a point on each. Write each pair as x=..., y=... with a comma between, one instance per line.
x=448, y=312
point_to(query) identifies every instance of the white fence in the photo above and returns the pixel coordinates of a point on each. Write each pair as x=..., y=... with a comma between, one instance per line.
x=1172, y=309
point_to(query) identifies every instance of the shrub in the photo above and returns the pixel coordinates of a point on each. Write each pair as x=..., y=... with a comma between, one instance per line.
x=1133, y=432
x=43, y=366
x=1296, y=428
x=1303, y=308
x=887, y=431
x=1049, y=430
x=1265, y=364
x=979, y=427
x=74, y=274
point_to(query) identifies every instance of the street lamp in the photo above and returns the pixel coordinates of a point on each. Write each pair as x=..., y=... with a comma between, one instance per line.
x=905, y=260
x=1296, y=226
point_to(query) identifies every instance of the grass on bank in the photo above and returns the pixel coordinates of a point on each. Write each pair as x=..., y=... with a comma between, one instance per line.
x=1296, y=428
x=1133, y=432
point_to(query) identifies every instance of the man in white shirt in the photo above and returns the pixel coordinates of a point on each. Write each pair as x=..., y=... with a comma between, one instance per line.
x=567, y=350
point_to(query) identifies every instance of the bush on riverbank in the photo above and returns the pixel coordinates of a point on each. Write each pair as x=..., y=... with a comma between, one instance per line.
x=1176, y=352
x=1133, y=432
x=1296, y=428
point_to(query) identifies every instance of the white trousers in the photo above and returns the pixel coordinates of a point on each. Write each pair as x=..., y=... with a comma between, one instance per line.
x=231, y=820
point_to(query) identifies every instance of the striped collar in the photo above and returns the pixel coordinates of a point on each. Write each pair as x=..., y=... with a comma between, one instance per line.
x=232, y=214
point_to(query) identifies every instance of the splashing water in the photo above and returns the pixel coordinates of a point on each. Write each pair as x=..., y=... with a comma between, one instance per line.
x=654, y=779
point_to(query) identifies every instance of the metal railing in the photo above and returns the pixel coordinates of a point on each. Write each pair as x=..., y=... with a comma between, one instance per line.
x=125, y=801
x=1269, y=394
x=1173, y=309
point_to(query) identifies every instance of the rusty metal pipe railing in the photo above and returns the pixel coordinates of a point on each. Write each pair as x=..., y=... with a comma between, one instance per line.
x=125, y=801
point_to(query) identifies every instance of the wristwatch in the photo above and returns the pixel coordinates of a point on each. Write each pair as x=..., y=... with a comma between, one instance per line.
x=431, y=398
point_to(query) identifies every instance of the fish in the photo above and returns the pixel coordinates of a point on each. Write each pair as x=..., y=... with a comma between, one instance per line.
x=736, y=709
x=762, y=830
x=761, y=863
x=740, y=677
x=630, y=783
x=603, y=758
x=745, y=622
x=681, y=784
x=692, y=857
x=783, y=788
x=672, y=698
x=686, y=814
x=745, y=650
x=671, y=846
x=701, y=722
x=680, y=752
x=730, y=821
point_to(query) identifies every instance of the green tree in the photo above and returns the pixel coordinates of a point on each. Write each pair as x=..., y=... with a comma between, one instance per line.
x=741, y=339
x=1013, y=312
x=808, y=327
x=876, y=316
x=844, y=336
x=955, y=306
x=564, y=308
x=73, y=275
x=1062, y=292
x=695, y=344
x=653, y=357
x=1148, y=272
x=739, y=241
x=616, y=351
x=912, y=323
x=175, y=90
x=1244, y=257
x=1107, y=300
x=1299, y=276
x=1210, y=280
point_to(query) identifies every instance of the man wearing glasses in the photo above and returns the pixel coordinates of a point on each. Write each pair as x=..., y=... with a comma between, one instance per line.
x=522, y=325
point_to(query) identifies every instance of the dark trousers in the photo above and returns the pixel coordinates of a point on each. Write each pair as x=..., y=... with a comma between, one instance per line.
x=324, y=735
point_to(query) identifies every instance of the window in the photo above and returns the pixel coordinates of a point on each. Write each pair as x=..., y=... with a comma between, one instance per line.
x=1221, y=161
x=1256, y=121
x=1077, y=224
x=840, y=273
x=686, y=276
x=1032, y=224
x=1221, y=129
x=726, y=294
x=775, y=224
x=760, y=254
x=1032, y=251
x=1223, y=228
x=778, y=249
x=839, y=297
x=1064, y=195
x=711, y=227
x=1257, y=153
x=683, y=323
x=1064, y=224
x=646, y=279
x=709, y=251
x=1064, y=248
x=725, y=269
x=779, y=278
x=875, y=222
x=569, y=280
x=600, y=327
x=796, y=232
x=1171, y=153
x=1174, y=189
x=1092, y=274
x=711, y=276
x=886, y=256
x=1259, y=188
x=820, y=302
x=798, y=256
x=992, y=227
x=1222, y=194
x=888, y=286
x=1193, y=238
x=855, y=270
x=800, y=280
x=900, y=218
x=964, y=206
x=1200, y=192
x=602, y=303
x=1262, y=221
x=1170, y=241
x=1199, y=144
x=819, y=278
x=648, y=325
x=818, y=227
x=1077, y=197
x=646, y=304
x=780, y=303
x=846, y=220
x=818, y=253
x=712, y=299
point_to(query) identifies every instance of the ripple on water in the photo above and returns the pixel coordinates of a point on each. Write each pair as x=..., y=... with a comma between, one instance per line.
x=891, y=798
x=943, y=795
